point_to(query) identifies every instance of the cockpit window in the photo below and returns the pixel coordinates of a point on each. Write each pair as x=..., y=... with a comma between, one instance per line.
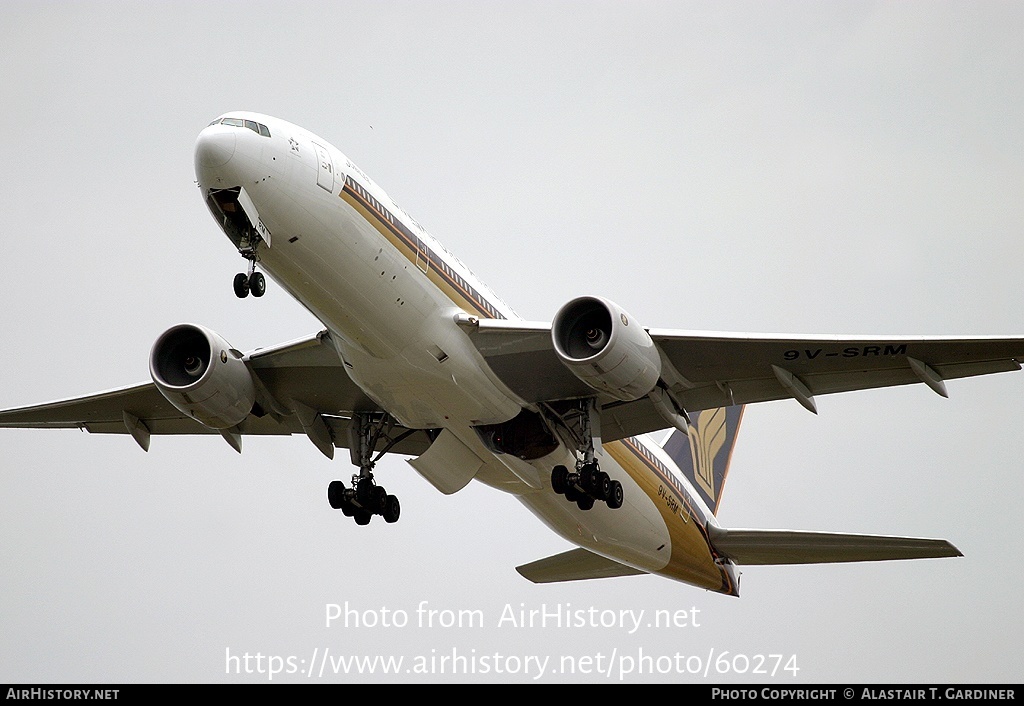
x=258, y=128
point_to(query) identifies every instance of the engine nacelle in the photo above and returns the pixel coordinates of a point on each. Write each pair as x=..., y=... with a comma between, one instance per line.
x=203, y=376
x=605, y=348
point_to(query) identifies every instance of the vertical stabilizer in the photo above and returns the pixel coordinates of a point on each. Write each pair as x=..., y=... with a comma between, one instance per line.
x=703, y=454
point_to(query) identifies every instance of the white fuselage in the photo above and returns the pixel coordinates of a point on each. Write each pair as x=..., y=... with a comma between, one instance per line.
x=390, y=295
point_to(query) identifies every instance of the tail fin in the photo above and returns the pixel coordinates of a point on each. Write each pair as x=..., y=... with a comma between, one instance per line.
x=703, y=454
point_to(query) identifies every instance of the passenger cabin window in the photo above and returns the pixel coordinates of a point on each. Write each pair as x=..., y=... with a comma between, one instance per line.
x=258, y=128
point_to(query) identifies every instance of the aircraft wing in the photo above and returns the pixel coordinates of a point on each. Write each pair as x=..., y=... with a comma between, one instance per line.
x=295, y=379
x=724, y=369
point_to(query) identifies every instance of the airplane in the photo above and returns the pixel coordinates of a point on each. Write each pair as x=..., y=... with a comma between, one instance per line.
x=417, y=357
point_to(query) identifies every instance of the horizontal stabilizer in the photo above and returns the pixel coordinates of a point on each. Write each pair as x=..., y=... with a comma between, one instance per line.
x=574, y=565
x=753, y=546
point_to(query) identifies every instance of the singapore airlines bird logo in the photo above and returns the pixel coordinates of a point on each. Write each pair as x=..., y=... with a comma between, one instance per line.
x=706, y=440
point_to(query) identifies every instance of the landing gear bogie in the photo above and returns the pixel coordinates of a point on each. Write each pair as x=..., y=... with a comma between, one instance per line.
x=363, y=501
x=587, y=485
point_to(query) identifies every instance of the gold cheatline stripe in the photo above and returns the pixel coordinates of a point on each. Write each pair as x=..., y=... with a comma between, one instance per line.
x=688, y=532
x=385, y=223
x=391, y=228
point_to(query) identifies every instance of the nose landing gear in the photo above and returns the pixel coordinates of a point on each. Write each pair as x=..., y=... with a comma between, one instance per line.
x=254, y=281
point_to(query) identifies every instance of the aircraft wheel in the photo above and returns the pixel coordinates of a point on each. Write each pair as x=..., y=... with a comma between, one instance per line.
x=392, y=509
x=560, y=479
x=603, y=486
x=241, y=285
x=336, y=494
x=379, y=499
x=615, y=497
x=364, y=492
x=588, y=474
x=585, y=503
x=362, y=517
x=257, y=284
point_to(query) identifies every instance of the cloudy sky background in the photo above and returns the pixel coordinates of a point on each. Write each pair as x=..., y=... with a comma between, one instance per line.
x=774, y=167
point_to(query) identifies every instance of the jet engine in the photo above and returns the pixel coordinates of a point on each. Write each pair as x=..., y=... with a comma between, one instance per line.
x=203, y=376
x=605, y=348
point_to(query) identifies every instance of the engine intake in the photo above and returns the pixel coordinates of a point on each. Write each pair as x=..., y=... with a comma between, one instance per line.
x=203, y=376
x=605, y=348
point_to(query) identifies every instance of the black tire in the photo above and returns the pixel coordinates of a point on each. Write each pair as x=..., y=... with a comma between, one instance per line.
x=379, y=499
x=585, y=503
x=364, y=493
x=616, y=496
x=392, y=509
x=604, y=486
x=336, y=494
x=257, y=284
x=572, y=495
x=588, y=472
x=560, y=479
x=362, y=517
x=241, y=285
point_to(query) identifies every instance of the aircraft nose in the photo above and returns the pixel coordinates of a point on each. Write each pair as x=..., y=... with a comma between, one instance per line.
x=215, y=147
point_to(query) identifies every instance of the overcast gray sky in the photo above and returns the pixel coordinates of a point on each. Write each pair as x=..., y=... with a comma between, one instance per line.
x=776, y=167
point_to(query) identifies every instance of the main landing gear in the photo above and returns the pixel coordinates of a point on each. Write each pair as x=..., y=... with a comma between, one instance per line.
x=365, y=498
x=588, y=483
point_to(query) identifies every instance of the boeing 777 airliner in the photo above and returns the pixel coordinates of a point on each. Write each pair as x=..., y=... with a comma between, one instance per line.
x=418, y=357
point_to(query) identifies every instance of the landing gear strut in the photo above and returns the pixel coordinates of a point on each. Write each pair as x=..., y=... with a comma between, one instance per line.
x=254, y=281
x=588, y=483
x=365, y=498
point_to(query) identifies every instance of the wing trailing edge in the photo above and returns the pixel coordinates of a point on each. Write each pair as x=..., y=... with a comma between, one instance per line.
x=768, y=547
